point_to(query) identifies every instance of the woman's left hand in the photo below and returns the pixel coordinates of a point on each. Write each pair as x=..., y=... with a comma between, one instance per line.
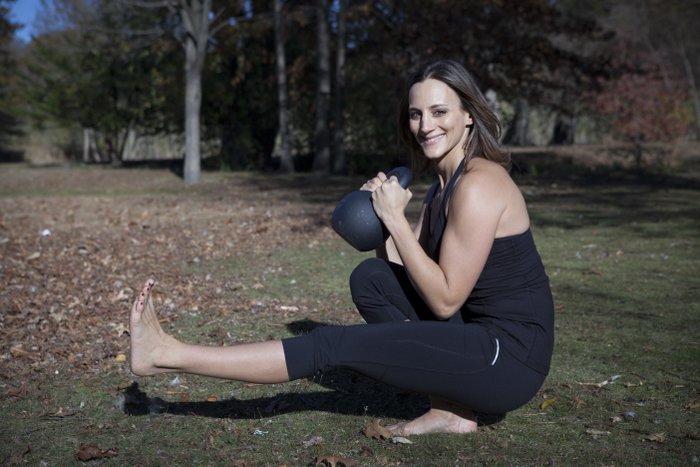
x=390, y=200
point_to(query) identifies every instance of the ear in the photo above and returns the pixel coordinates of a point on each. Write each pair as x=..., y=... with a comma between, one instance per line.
x=468, y=121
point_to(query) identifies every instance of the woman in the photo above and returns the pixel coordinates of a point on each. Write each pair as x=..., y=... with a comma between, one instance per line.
x=459, y=308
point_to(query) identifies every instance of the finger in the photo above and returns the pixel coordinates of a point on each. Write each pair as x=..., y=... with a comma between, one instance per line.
x=381, y=176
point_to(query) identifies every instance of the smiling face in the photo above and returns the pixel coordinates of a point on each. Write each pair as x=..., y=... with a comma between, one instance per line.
x=437, y=120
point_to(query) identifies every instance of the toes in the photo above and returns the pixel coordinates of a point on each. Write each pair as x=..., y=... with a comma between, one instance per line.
x=144, y=296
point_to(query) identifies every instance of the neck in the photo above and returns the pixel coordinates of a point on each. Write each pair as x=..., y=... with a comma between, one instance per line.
x=446, y=169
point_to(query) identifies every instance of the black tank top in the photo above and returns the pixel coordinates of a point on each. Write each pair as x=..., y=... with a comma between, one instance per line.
x=512, y=296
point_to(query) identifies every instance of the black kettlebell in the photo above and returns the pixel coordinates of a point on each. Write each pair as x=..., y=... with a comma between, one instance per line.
x=356, y=222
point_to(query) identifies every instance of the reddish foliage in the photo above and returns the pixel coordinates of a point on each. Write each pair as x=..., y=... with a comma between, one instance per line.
x=647, y=101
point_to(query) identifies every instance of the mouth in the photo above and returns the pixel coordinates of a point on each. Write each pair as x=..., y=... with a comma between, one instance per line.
x=429, y=141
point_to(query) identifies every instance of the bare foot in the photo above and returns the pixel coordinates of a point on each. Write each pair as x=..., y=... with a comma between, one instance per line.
x=443, y=417
x=148, y=340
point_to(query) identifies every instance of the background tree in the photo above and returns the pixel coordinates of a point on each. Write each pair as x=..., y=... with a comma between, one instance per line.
x=9, y=126
x=645, y=102
x=322, y=146
x=87, y=75
x=286, y=162
x=671, y=29
x=339, y=162
x=532, y=55
x=198, y=23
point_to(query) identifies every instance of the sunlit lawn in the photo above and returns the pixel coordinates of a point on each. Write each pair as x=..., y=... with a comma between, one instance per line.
x=623, y=258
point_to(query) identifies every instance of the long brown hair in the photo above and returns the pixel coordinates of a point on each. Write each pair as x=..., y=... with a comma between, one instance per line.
x=484, y=133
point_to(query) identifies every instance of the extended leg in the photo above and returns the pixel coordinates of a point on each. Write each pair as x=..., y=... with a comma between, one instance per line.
x=153, y=351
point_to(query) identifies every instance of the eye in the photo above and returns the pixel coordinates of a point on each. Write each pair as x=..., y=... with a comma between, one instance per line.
x=439, y=112
x=413, y=114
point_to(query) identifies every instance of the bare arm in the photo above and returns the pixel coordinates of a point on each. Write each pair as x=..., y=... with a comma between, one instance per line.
x=475, y=214
x=387, y=250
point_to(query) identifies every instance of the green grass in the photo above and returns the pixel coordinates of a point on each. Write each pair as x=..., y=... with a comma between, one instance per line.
x=623, y=259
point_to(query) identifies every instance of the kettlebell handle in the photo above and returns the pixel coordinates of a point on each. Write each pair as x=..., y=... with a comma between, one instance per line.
x=403, y=174
x=356, y=222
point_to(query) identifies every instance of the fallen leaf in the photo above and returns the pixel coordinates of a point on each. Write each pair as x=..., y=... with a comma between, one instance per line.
x=120, y=357
x=333, y=461
x=88, y=452
x=123, y=295
x=313, y=441
x=578, y=402
x=212, y=398
x=120, y=328
x=693, y=406
x=547, y=402
x=19, y=352
x=366, y=451
x=594, y=432
x=400, y=440
x=60, y=413
x=656, y=437
x=375, y=431
x=18, y=393
x=33, y=256
x=612, y=379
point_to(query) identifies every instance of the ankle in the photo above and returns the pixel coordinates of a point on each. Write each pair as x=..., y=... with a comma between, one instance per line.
x=452, y=408
x=165, y=355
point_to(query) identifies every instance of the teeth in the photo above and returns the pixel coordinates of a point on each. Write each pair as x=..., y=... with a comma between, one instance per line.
x=432, y=139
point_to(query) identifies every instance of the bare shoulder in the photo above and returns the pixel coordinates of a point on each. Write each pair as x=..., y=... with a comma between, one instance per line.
x=486, y=179
x=486, y=190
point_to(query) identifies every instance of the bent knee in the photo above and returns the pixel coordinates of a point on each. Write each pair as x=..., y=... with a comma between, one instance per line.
x=361, y=276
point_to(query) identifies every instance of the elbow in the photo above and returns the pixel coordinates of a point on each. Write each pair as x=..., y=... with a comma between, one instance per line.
x=445, y=311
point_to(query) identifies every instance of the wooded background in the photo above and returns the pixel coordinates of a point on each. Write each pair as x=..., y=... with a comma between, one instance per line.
x=301, y=85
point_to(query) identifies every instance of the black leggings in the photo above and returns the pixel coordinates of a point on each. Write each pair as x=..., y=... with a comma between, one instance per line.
x=406, y=347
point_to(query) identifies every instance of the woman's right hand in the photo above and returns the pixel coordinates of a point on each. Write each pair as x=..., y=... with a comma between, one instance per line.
x=374, y=183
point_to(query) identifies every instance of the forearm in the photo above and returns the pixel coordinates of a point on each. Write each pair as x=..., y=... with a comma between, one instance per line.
x=425, y=274
x=388, y=252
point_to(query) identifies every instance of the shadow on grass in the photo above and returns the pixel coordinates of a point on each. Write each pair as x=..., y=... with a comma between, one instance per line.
x=11, y=156
x=351, y=394
x=573, y=196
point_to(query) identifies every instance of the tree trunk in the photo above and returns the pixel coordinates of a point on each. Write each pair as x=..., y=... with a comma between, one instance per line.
x=322, y=158
x=195, y=19
x=286, y=162
x=517, y=131
x=690, y=76
x=339, y=163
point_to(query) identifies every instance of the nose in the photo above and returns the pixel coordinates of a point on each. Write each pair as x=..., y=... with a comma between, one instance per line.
x=426, y=123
